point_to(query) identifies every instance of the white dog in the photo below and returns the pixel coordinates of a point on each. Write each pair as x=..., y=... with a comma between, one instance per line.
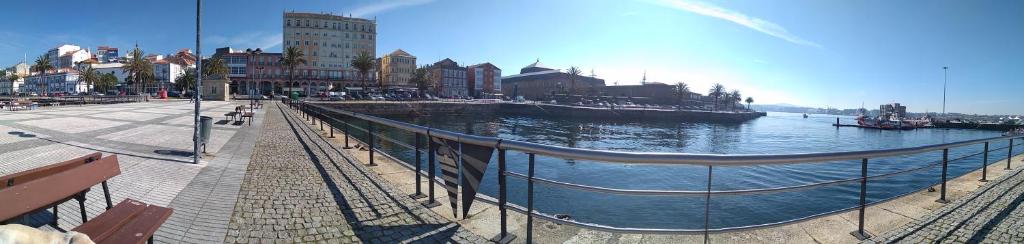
x=20, y=234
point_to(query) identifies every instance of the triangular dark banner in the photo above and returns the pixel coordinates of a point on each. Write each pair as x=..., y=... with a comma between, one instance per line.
x=474, y=164
x=447, y=151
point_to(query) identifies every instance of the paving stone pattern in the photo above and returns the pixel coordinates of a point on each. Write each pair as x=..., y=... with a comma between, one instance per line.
x=992, y=214
x=298, y=188
x=202, y=196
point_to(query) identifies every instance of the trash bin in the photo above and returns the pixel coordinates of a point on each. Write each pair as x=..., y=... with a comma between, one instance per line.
x=205, y=125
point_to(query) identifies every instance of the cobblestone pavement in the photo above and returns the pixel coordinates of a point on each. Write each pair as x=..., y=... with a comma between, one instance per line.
x=147, y=137
x=298, y=188
x=992, y=214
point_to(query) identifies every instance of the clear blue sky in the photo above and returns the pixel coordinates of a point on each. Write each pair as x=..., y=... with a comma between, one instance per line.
x=812, y=53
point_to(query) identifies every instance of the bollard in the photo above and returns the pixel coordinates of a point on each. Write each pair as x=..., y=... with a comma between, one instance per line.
x=331, y=127
x=860, y=234
x=945, y=160
x=984, y=165
x=503, y=236
x=346, y=136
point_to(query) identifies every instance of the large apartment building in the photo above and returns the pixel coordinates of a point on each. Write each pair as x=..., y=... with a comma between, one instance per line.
x=330, y=42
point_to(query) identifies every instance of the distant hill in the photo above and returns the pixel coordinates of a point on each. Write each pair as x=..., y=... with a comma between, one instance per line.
x=781, y=107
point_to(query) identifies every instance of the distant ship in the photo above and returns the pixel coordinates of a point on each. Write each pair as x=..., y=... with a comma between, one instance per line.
x=805, y=116
x=892, y=118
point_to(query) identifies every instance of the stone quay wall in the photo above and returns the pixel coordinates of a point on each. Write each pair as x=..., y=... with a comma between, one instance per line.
x=418, y=109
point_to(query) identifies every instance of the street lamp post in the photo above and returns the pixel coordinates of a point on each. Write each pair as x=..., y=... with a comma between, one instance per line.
x=253, y=54
x=944, y=80
x=199, y=81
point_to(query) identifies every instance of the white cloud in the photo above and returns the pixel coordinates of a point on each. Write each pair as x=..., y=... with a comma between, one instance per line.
x=757, y=24
x=257, y=39
x=384, y=6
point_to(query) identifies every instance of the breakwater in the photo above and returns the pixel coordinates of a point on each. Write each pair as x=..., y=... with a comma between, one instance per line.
x=426, y=109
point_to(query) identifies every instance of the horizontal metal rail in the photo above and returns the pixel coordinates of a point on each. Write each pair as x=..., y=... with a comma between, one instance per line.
x=658, y=157
x=708, y=160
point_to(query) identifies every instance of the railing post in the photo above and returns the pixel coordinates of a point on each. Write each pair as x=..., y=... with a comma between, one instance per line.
x=984, y=165
x=1009, y=155
x=346, y=135
x=419, y=146
x=503, y=236
x=860, y=234
x=431, y=160
x=369, y=130
x=331, y=127
x=320, y=112
x=945, y=162
x=707, y=207
x=529, y=201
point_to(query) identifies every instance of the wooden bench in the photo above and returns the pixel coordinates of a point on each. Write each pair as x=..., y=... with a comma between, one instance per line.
x=16, y=179
x=231, y=115
x=247, y=115
x=128, y=222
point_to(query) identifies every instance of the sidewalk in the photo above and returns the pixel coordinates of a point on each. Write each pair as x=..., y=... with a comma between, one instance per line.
x=298, y=188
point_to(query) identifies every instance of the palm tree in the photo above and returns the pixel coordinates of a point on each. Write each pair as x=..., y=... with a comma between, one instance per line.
x=717, y=91
x=89, y=75
x=735, y=97
x=214, y=68
x=106, y=82
x=41, y=65
x=749, y=101
x=186, y=81
x=680, y=90
x=574, y=74
x=138, y=70
x=292, y=57
x=363, y=62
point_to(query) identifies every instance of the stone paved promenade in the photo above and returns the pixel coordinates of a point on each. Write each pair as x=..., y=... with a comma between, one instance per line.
x=148, y=139
x=300, y=188
x=991, y=214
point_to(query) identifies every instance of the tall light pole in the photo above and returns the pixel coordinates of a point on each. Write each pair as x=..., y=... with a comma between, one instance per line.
x=199, y=81
x=944, y=80
x=253, y=55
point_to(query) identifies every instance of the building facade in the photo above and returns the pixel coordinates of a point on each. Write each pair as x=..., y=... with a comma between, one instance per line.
x=650, y=93
x=49, y=83
x=165, y=73
x=537, y=82
x=449, y=78
x=329, y=43
x=65, y=57
x=105, y=54
x=397, y=68
x=483, y=79
x=9, y=87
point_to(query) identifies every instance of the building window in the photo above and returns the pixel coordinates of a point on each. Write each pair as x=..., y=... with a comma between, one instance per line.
x=289, y=22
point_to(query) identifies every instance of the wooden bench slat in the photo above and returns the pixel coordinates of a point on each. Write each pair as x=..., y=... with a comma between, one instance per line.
x=36, y=173
x=141, y=227
x=29, y=196
x=108, y=222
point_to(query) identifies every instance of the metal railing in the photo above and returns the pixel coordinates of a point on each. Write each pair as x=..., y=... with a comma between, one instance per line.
x=336, y=117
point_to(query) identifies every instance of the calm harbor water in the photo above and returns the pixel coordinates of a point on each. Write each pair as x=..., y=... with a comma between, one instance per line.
x=778, y=133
